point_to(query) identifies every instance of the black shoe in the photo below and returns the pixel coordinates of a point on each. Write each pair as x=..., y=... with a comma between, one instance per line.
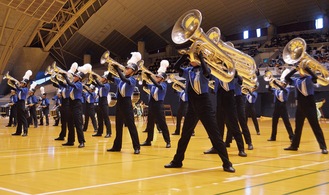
x=59, y=138
x=227, y=145
x=271, y=140
x=168, y=145
x=291, y=148
x=107, y=135
x=250, y=147
x=113, y=150
x=24, y=134
x=324, y=151
x=173, y=165
x=175, y=133
x=8, y=126
x=68, y=144
x=40, y=124
x=229, y=169
x=47, y=124
x=97, y=135
x=211, y=151
x=16, y=134
x=137, y=151
x=81, y=145
x=242, y=154
x=14, y=125
x=55, y=125
x=146, y=144
x=145, y=131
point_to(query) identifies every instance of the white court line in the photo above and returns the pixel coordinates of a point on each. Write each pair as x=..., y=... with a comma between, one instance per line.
x=172, y=174
x=13, y=191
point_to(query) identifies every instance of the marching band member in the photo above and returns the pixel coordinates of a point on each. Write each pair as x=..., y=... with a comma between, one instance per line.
x=44, y=106
x=58, y=103
x=103, y=90
x=155, y=110
x=22, y=91
x=305, y=107
x=66, y=112
x=124, y=109
x=281, y=94
x=13, y=109
x=227, y=114
x=250, y=109
x=32, y=102
x=182, y=109
x=90, y=97
x=199, y=108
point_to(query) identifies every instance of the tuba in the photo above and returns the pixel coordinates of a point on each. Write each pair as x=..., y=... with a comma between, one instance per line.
x=177, y=85
x=107, y=59
x=11, y=80
x=188, y=28
x=244, y=64
x=295, y=51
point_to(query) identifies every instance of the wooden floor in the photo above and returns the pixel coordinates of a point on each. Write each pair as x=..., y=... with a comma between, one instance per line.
x=39, y=165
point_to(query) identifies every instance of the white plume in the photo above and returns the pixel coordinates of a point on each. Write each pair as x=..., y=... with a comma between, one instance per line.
x=136, y=56
x=33, y=85
x=88, y=68
x=163, y=66
x=42, y=90
x=73, y=68
x=83, y=69
x=27, y=75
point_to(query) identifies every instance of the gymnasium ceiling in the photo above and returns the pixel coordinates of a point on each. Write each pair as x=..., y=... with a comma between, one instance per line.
x=68, y=29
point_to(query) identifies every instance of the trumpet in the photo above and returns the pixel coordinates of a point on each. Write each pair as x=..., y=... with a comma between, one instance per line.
x=144, y=77
x=295, y=51
x=11, y=80
x=177, y=85
x=268, y=76
x=59, y=73
x=51, y=72
x=187, y=28
x=107, y=59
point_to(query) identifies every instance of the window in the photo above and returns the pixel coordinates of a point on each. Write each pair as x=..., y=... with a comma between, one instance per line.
x=245, y=34
x=319, y=23
x=258, y=32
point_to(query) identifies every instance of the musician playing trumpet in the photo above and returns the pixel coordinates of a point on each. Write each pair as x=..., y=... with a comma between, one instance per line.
x=124, y=109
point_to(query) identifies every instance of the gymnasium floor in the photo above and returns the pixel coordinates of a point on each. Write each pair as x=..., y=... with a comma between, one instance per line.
x=37, y=164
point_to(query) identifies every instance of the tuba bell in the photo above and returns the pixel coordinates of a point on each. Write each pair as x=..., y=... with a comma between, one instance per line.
x=107, y=59
x=186, y=28
x=295, y=51
x=11, y=80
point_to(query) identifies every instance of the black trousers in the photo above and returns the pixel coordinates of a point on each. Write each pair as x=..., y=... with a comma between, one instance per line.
x=156, y=115
x=182, y=109
x=90, y=113
x=21, y=117
x=125, y=115
x=306, y=109
x=280, y=110
x=33, y=116
x=104, y=116
x=200, y=107
x=76, y=108
x=45, y=113
x=227, y=114
x=240, y=108
x=251, y=111
x=13, y=115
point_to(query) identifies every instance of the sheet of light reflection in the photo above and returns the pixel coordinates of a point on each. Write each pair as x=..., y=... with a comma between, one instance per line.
x=51, y=151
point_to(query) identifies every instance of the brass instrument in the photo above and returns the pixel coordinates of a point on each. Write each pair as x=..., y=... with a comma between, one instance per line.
x=244, y=64
x=177, y=85
x=144, y=77
x=268, y=76
x=51, y=72
x=188, y=28
x=107, y=59
x=59, y=73
x=11, y=80
x=295, y=51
